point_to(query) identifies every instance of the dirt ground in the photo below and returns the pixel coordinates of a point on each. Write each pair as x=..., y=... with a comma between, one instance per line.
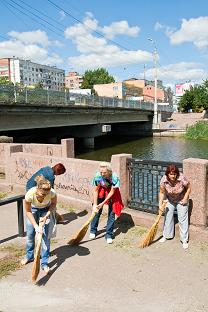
x=98, y=277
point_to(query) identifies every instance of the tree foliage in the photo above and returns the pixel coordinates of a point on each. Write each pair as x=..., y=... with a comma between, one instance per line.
x=169, y=95
x=97, y=76
x=5, y=81
x=196, y=98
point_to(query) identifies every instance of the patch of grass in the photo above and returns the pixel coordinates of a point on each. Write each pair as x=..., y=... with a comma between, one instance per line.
x=54, y=241
x=65, y=207
x=198, y=131
x=3, y=195
x=11, y=261
x=129, y=237
x=204, y=247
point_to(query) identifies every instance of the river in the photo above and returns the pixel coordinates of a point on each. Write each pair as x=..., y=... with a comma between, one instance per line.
x=154, y=148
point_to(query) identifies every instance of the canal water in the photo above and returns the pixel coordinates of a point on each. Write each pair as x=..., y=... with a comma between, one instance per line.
x=154, y=148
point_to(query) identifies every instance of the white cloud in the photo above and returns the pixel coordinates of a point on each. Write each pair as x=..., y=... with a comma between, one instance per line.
x=96, y=51
x=179, y=72
x=120, y=28
x=120, y=58
x=31, y=37
x=32, y=52
x=194, y=30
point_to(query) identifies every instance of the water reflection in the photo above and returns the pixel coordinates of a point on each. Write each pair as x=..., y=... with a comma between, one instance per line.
x=167, y=149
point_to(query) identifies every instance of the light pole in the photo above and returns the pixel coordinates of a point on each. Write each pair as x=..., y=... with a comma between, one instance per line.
x=155, y=121
x=14, y=81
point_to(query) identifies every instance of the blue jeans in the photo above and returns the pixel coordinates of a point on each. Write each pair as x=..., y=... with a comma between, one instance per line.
x=110, y=221
x=30, y=242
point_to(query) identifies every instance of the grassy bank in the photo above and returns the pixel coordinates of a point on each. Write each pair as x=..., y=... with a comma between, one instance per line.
x=198, y=131
x=10, y=261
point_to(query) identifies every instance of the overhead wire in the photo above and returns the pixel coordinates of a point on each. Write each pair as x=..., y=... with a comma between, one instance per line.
x=79, y=21
x=16, y=8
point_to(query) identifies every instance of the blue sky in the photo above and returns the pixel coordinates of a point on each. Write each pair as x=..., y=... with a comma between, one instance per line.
x=86, y=34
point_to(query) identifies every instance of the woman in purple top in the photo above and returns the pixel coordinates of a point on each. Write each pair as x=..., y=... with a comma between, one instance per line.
x=175, y=187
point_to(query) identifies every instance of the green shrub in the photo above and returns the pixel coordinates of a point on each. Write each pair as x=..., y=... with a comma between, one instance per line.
x=198, y=131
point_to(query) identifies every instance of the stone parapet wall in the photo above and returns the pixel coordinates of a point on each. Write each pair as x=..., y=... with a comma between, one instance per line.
x=74, y=187
x=65, y=149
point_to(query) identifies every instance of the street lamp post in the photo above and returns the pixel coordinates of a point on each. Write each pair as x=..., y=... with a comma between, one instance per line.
x=155, y=121
x=14, y=80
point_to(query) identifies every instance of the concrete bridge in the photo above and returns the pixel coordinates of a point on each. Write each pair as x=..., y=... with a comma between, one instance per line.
x=24, y=111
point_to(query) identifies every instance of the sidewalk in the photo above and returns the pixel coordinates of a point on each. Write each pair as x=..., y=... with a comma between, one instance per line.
x=98, y=277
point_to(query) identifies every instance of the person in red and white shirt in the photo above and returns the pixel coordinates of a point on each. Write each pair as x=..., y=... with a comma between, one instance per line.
x=175, y=187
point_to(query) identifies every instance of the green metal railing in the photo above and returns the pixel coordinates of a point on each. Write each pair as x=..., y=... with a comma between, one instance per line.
x=144, y=184
x=27, y=96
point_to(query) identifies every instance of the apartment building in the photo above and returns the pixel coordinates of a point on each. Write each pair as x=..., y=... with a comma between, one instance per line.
x=28, y=73
x=148, y=89
x=120, y=90
x=73, y=80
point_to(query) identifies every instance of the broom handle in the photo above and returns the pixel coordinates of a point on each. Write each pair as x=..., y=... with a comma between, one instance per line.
x=161, y=210
x=90, y=219
x=40, y=235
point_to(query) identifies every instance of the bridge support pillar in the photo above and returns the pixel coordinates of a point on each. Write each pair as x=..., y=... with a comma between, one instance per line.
x=89, y=142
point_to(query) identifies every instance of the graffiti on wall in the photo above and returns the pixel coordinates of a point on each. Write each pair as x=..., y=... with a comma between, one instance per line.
x=74, y=183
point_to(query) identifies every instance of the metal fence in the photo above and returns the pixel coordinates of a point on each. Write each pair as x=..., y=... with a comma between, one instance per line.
x=145, y=176
x=25, y=95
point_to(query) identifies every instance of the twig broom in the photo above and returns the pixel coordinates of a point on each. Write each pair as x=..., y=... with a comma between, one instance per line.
x=81, y=233
x=36, y=262
x=148, y=239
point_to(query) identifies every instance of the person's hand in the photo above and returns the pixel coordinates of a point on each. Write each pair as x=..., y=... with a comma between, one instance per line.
x=100, y=206
x=38, y=230
x=184, y=201
x=162, y=205
x=94, y=208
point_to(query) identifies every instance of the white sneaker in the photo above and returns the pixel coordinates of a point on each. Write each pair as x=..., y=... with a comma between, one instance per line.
x=162, y=240
x=92, y=236
x=109, y=240
x=185, y=245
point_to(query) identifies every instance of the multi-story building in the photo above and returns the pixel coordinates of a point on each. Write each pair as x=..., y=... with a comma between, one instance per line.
x=131, y=89
x=120, y=90
x=28, y=73
x=148, y=89
x=73, y=80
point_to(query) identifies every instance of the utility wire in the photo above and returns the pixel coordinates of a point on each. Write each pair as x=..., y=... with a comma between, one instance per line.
x=77, y=20
x=52, y=19
x=16, y=15
x=34, y=19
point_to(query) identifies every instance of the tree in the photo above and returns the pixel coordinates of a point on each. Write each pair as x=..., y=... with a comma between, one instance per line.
x=5, y=81
x=169, y=95
x=96, y=76
x=196, y=98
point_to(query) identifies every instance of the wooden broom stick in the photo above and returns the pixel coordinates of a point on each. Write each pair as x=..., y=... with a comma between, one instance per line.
x=36, y=262
x=81, y=233
x=148, y=239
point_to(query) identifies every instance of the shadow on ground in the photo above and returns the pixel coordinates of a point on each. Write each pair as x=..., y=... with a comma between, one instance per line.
x=62, y=253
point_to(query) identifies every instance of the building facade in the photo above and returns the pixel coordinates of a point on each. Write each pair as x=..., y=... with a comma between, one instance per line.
x=28, y=73
x=120, y=90
x=73, y=80
x=130, y=89
x=148, y=89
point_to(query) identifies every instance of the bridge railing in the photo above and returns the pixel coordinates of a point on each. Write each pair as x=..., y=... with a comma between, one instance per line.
x=25, y=96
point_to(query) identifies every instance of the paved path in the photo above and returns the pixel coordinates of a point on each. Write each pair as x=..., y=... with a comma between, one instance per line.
x=182, y=120
x=98, y=277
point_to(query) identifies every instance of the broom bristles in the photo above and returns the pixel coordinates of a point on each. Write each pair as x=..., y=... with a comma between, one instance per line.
x=36, y=262
x=82, y=232
x=148, y=239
